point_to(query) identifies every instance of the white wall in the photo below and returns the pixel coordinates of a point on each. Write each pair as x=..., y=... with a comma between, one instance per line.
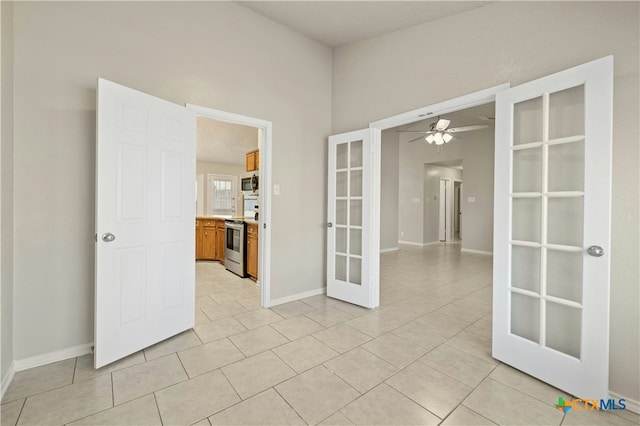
x=6, y=180
x=475, y=149
x=214, y=54
x=389, y=191
x=431, y=217
x=205, y=168
x=518, y=42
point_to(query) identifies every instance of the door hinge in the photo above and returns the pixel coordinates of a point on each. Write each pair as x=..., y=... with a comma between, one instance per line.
x=264, y=226
x=95, y=237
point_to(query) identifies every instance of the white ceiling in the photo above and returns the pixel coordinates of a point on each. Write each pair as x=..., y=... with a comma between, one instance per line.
x=220, y=142
x=337, y=23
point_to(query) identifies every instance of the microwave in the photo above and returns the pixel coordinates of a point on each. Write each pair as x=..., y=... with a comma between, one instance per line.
x=250, y=184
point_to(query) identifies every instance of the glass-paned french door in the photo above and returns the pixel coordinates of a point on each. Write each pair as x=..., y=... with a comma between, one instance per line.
x=349, y=218
x=552, y=220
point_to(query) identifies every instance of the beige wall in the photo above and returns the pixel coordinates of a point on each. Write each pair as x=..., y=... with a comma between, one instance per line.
x=214, y=54
x=389, y=175
x=517, y=42
x=6, y=179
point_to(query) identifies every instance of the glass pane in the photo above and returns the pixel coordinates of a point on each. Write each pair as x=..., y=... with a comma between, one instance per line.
x=356, y=183
x=565, y=220
x=341, y=267
x=356, y=154
x=341, y=212
x=525, y=317
x=527, y=121
x=526, y=219
x=566, y=113
x=566, y=167
x=341, y=184
x=355, y=215
x=355, y=270
x=564, y=326
x=564, y=275
x=341, y=240
x=355, y=241
x=342, y=155
x=525, y=268
x=527, y=170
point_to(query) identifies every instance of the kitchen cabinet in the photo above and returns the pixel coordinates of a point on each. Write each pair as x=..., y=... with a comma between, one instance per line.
x=210, y=237
x=220, y=240
x=253, y=160
x=198, y=239
x=252, y=250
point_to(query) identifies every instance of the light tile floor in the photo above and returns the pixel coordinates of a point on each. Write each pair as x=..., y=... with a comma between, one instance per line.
x=423, y=357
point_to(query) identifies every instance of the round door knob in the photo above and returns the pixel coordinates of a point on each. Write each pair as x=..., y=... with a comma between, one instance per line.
x=108, y=237
x=595, y=251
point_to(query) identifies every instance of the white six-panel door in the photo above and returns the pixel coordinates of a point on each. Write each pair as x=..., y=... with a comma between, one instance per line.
x=352, y=248
x=552, y=228
x=145, y=209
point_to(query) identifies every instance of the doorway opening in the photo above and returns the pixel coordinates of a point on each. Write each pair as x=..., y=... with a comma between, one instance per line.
x=457, y=212
x=258, y=149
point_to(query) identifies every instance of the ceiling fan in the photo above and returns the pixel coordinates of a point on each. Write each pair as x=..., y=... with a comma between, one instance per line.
x=440, y=133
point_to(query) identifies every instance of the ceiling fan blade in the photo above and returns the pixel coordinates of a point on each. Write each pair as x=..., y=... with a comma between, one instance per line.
x=416, y=139
x=413, y=131
x=468, y=128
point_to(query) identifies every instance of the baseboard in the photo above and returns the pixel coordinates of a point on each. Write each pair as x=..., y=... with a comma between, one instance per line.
x=55, y=356
x=412, y=243
x=387, y=250
x=632, y=404
x=294, y=297
x=8, y=377
x=487, y=253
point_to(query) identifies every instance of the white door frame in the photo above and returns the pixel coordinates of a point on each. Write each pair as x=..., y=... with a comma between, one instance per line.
x=265, y=129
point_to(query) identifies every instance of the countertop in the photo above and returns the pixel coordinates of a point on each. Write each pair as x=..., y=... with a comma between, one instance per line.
x=222, y=217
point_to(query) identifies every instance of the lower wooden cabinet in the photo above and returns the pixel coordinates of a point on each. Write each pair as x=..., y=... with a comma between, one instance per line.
x=210, y=239
x=198, y=239
x=220, y=241
x=252, y=250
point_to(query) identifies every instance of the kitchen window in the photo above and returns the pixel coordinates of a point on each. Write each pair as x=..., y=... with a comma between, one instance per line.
x=221, y=191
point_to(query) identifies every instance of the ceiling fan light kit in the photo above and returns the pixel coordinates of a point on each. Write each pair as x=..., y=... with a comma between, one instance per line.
x=439, y=138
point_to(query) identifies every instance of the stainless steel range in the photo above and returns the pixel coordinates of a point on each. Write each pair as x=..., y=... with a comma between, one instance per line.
x=235, y=242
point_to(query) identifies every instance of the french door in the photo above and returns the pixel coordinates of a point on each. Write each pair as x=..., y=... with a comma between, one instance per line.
x=352, y=241
x=552, y=228
x=145, y=209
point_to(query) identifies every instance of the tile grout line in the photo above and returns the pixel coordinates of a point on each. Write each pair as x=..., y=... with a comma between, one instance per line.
x=24, y=403
x=155, y=399
x=75, y=368
x=113, y=391
x=287, y=402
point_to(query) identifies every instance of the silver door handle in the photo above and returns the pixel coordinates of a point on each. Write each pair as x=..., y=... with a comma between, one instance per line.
x=329, y=225
x=108, y=237
x=595, y=251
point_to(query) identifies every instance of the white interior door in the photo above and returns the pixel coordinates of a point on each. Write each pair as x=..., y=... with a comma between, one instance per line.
x=145, y=209
x=552, y=228
x=352, y=242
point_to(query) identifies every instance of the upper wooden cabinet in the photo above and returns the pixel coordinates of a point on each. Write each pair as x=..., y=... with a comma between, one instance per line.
x=253, y=160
